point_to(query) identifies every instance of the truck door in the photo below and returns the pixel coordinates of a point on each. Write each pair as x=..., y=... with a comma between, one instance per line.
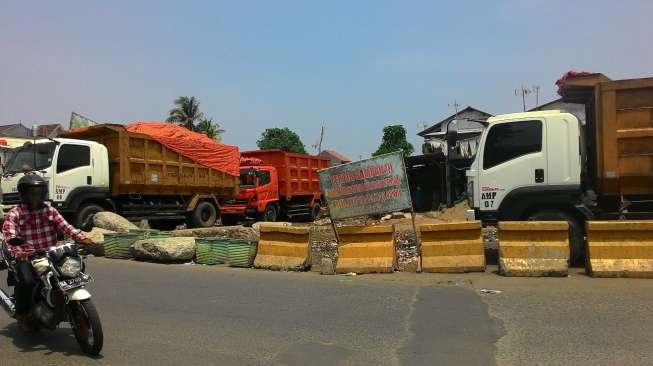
x=514, y=156
x=72, y=170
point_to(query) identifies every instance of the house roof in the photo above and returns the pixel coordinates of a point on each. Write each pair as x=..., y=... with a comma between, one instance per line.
x=47, y=130
x=335, y=154
x=10, y=126
x=451, y=117
x=559, y=100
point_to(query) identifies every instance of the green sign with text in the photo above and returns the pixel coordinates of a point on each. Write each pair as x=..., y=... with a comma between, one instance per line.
x=372, y=186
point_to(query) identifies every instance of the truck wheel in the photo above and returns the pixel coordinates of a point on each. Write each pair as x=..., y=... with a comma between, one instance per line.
x=204, y=215
x=270, y=214
x=576, y=233
x=84, y=217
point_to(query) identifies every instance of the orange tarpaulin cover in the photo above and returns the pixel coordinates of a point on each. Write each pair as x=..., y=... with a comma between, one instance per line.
x=195, y=146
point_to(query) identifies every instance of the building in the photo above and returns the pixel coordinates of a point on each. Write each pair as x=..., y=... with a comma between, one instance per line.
x=469, y=123
x=576, y=109
x=18, y=130
x=15, y=130
x=335, y=157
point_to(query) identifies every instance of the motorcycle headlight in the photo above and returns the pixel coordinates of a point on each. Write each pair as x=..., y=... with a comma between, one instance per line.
x=70, y=267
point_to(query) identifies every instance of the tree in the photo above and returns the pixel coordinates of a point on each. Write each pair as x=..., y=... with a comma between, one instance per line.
x=281, y=138
x=394, y=138
x=210, y=129
x=186, y=112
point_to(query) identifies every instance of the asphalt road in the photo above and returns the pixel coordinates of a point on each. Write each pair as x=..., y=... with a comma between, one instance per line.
x=192, y=315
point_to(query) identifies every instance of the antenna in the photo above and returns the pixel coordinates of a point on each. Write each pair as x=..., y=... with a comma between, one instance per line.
x=536, y=90
x=318, y=144
x=523, y=91
x=455, y=106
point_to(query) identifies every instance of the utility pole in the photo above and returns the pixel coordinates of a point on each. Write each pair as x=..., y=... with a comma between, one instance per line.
x=318, y=144
x=523, y=91
x=449, y=173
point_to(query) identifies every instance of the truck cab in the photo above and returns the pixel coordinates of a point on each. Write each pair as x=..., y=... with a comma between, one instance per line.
x=259, y=188
x=528, y=167
x=75, y=169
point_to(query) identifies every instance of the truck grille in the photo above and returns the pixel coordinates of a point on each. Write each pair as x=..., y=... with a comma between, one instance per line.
x=11, y=198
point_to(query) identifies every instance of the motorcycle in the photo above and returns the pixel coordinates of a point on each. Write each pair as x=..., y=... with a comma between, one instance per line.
x=60, y=295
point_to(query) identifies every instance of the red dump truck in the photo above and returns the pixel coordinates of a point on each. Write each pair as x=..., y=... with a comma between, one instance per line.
x=275, y=184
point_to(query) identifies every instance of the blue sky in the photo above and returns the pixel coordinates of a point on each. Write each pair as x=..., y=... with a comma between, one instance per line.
x=352, y=66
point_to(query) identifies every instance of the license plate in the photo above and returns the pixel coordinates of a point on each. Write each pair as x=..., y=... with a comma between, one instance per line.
x=75, y=282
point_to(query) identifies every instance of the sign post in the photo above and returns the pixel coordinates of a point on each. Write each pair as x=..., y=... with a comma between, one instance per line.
x=372, y=186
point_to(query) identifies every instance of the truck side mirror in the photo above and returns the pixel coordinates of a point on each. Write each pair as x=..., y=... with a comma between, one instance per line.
x=452, y=138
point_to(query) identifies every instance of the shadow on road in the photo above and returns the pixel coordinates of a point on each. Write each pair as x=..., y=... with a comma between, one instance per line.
x=60, y=341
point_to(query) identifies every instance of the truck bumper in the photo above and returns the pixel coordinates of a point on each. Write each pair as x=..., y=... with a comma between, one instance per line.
x=240, y=210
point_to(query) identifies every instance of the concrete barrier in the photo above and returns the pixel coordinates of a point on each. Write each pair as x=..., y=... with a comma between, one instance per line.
x=620, y=248
x=453, y=247
x=283, y=248
x=368, y=249
x=534, y=248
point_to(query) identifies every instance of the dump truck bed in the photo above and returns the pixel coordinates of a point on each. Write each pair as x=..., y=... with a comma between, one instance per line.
x=297, y=172
x=619, y=132
x=140, y=165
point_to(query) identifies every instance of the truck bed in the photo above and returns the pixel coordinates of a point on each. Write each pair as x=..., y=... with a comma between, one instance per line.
x=140, y=165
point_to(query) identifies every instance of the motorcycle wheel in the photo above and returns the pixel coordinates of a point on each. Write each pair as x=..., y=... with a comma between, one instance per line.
x=87, y=327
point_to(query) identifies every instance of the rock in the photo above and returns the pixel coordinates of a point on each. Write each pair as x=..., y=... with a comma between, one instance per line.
x=165, y=249
x=97, y=235
x=386, y=218
x=111, y=221
x=327, y=267
x=144, y=224
x=231, y=232
x=322, y=222
x=257, y=225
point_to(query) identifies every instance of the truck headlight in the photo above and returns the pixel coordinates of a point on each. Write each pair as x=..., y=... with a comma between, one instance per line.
x=70, y=267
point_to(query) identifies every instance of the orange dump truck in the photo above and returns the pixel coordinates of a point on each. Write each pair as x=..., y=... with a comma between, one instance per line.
x=274, y=185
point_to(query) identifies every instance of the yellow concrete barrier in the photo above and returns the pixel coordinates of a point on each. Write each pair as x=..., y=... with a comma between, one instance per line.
x=452, y=247
x=534, y=248
x=366, y=249
x=620, y=248
x=283, y=248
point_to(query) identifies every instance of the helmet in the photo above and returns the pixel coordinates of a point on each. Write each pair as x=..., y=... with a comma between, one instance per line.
x=33, y=190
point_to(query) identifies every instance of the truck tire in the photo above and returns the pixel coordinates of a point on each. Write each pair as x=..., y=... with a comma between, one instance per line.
x=270, y=214
x=576, y=232
x=84, y=216
x=204, y=215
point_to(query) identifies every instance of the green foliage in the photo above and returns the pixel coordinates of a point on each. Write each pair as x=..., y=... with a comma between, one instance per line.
x=210, y=129
x=394, y=138
x=186, y=112
x=281, y=138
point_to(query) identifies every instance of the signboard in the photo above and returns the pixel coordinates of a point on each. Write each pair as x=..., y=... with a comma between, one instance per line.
x=79, y=121
x=373, y=186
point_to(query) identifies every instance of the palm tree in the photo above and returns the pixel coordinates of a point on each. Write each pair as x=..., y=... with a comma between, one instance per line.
x=210, y=129
x=186, y=112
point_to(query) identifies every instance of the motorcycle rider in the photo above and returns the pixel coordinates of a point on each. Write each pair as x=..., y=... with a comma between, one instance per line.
x=33, y=226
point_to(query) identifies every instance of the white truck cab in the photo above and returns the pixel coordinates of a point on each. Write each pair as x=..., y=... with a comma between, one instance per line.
x=75, y=169
x=528, y=167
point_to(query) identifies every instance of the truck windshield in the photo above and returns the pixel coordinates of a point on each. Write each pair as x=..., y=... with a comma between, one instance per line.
x=24, y=158
x=247, y=178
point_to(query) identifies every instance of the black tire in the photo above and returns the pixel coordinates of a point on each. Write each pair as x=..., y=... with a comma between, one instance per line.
x=576, y=232
x=204, y=215
x=84, y=216
x=229, y=220
x=84, y=311
x=270, y=214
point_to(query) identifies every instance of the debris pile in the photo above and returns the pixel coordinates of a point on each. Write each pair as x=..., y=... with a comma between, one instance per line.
x=406, y=247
